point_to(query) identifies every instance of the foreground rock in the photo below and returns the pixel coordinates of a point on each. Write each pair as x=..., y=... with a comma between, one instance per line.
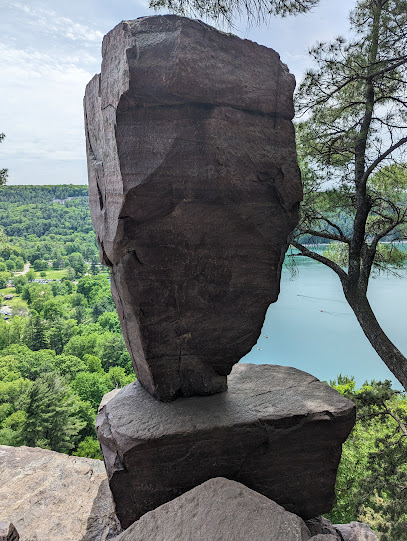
x=277, y=430
x=223, y=510
x=194, y=189
x=8, y=531
x=218, y=510
x=54, y=497
x=356, y=531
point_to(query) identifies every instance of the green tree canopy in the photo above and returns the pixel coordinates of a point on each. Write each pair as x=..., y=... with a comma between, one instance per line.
x=254, y=10
x=52, y=420
x=372, y=477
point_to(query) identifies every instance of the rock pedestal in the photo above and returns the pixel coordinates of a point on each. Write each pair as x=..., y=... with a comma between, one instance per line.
x=194, y=190
x=277, y=430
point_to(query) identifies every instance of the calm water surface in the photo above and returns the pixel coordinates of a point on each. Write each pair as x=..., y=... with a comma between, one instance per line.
x=311, y=327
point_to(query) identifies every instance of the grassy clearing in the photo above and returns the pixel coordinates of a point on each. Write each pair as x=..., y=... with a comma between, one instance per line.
x=52, y=274
x=12, y=302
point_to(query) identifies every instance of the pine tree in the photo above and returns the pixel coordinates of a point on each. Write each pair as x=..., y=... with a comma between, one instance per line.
x=356, y=101
x=52, y=419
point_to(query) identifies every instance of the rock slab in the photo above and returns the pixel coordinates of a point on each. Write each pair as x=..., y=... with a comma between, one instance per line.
x=8, y=531
x=277, y=430
x=218, y=510
x=49, y=496
x=194, y=190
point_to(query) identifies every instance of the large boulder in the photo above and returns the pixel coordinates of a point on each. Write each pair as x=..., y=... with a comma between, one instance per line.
x=218, y=510
x=194, y=190
x=277, y=430
x=49, y=496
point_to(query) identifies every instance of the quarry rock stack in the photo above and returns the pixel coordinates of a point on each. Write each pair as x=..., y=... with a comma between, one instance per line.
x=194, y=190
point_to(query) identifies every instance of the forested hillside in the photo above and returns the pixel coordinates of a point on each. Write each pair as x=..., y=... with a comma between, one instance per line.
x=61, y=350
x=61, y=346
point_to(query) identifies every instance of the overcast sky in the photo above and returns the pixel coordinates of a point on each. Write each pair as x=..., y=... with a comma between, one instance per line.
x=50, y=49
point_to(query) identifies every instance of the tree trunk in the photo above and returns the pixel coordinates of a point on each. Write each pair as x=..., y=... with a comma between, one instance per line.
x=395, y=361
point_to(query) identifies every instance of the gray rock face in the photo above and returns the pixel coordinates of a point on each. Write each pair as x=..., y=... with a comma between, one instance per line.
x=8, y=531
x=218, y=510
x=194, y=189
x=356, y=531
x=321, y=525
x=54, y=497
x=277, y=430
x=324, y=537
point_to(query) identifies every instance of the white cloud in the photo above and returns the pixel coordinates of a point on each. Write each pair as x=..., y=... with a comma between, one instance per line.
x=41, y=114
x=49, y=21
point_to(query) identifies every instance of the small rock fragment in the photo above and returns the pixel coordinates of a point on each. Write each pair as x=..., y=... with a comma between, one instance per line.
x=8, y=531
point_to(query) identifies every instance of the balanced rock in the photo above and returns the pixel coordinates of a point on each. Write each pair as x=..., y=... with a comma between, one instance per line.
x=218, y=510
x=8, y=531
x=194, y=190
x=277, y=430
x=54, y=497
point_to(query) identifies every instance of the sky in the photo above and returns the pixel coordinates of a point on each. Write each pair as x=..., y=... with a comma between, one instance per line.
x=50, y=49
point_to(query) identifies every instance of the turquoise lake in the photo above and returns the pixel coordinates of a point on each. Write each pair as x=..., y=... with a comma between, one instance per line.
x=311, y=327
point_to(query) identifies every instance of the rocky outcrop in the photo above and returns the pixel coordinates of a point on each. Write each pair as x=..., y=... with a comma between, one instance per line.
x=277, y=430
x=49, y=496
x=8, y=531
x=356, y=531
x=194, y=189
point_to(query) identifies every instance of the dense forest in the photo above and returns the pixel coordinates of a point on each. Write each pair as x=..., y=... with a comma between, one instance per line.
x=60, y=339
x=61, y=350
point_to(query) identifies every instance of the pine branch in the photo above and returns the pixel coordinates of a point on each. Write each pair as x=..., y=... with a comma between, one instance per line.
x=380, y=158
x=321, y=259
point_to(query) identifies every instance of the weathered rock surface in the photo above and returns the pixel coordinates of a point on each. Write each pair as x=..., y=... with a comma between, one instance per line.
x=194, y=189
x=218, y=510
x=356, y=531
x=8, y=531
x=277, y=430
x=321, y=525
x=324, y=537
x=54, y=497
